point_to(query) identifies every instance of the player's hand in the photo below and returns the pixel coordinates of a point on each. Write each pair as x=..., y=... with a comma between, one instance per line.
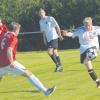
x=61, y=38
x=64, y=33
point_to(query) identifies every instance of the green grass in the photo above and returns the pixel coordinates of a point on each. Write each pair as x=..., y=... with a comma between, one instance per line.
x=72, y=84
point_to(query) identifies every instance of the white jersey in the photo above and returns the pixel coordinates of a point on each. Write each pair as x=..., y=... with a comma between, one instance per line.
x=87, y=38
x=47, y=26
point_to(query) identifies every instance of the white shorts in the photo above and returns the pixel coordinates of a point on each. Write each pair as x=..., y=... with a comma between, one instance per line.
x=17, y=70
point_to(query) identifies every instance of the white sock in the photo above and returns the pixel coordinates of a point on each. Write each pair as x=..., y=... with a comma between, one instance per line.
x=97, y=80
x=35, y=81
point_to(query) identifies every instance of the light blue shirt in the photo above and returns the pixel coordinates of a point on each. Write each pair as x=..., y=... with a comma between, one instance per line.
x=87, y=38
x=47, y=26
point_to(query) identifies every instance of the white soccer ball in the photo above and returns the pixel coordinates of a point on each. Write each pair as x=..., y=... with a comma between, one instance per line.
x=92, y=53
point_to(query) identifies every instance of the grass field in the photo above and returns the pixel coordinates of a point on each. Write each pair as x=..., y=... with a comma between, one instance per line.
x=72, y=84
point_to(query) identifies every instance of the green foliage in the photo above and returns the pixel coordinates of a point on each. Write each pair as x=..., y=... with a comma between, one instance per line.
x=18, y=10
x=68, y=13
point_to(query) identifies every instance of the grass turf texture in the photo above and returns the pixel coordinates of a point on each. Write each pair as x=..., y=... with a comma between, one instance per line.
x=72, y=84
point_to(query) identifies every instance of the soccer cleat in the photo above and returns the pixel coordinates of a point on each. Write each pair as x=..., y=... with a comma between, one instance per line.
x=50, y=91
x=59, y=69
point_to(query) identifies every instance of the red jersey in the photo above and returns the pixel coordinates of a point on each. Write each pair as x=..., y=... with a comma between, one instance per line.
x=3, y=29
x=9, y=40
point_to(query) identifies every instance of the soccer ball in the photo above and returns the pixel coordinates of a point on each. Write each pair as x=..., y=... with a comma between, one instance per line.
x=92, y=53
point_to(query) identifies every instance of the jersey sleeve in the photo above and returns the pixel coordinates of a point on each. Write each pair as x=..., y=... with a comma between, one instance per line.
x=54, y=22
x=77, y=32
x=12, y=42
x=8, y=41
x=5, y=28
x=97, y=28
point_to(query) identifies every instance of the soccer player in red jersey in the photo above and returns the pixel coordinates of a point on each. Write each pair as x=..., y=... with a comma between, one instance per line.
x=3, y=29
x=8, y=61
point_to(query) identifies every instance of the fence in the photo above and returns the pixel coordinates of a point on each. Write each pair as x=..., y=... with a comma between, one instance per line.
x=29, y=41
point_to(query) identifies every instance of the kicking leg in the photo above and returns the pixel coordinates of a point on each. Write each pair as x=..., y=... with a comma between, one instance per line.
x=36, y=82
x=91, y=71
x=19, y=69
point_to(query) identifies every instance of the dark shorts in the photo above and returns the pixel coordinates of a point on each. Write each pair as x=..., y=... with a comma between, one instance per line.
x=53, y=44
x=84, y=55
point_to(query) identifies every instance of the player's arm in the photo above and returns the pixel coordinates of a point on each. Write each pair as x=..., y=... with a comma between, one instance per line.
x=59, y=32
x=66, y=33
x=11, y=44
x=54, y=22
x=10, y=55
x=5, y=28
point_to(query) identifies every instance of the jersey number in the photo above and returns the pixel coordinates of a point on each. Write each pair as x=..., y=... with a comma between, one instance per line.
x=3, y=43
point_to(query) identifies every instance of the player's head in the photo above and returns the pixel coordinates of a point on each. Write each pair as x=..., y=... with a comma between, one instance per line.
x=42, y=13
x=14, y=26
x=88, y=22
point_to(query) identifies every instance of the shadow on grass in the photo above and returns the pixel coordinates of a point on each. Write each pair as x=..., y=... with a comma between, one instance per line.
x=75, y=70
x=79, y=70
x=16, y=91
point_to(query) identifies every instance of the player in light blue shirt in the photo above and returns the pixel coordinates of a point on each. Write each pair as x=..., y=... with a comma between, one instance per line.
x=51, y=32
x=89, y=44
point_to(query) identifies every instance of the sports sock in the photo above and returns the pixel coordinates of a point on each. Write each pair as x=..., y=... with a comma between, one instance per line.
x=53, y=57
x=58, y=60
x=35, y=81
x=92, y=74
x=98, y=82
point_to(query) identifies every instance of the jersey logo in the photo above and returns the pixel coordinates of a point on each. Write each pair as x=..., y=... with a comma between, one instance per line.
x=46, y=22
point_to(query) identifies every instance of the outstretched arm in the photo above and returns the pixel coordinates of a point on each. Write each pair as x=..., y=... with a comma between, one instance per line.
x=66, y=33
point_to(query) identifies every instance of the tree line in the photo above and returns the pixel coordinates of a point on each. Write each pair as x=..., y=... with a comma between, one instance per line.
x=68, y=13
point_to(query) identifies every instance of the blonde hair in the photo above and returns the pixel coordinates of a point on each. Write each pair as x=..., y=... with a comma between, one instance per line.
x=87, y=19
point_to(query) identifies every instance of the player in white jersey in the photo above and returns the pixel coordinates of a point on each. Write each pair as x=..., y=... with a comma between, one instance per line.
x=51, y=32
x=89, y=44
